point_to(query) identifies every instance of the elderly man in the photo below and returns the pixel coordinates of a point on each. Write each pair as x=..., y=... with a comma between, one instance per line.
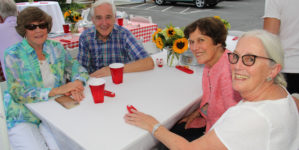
x=9, y=35
x=106, y=43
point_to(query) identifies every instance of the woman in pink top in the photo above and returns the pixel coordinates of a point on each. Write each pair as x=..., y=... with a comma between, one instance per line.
x=207, y=42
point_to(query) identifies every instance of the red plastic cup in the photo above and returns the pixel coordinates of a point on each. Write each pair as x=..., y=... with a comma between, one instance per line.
x=120, y=21
x=97, y=86
x=66, y=28
x=117, y=71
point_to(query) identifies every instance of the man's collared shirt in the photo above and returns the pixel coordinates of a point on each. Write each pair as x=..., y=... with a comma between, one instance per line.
x=24, y=79
x=121, y=47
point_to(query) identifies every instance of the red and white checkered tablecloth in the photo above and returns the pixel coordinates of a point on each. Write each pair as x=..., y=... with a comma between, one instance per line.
x=68, y=40
x=144, y=30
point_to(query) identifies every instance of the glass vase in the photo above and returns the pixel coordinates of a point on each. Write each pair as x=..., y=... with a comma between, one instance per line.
x=74, y=28
x=187, y=58
x=172, y=58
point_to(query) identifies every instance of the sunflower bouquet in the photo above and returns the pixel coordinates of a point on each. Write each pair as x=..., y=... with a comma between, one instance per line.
x=72, y=17
x=225, y=22
x=172, y=39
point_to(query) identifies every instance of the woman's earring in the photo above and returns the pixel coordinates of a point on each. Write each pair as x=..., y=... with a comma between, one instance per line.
x=269, y=79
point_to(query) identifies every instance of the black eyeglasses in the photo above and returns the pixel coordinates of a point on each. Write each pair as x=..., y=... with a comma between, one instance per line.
x=33, y=26
x=247, y=60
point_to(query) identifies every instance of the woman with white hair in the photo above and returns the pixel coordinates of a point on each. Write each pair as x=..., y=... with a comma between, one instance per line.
x=265, y=119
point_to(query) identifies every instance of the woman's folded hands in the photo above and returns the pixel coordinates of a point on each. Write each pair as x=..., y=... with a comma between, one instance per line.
x=75, y=89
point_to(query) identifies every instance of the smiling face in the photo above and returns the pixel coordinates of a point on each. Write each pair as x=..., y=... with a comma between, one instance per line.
x=251, y=79
x=204, y=49
x=36, y=37
x=104, y=19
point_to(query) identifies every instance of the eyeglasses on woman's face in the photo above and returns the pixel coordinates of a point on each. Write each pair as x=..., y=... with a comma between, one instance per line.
x=248, y=60
x=34, y=26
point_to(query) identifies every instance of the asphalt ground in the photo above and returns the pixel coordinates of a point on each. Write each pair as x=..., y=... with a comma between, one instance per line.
x=243, y=15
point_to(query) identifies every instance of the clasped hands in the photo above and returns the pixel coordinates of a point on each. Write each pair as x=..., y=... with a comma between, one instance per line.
x=74, y=89
x=188, y=119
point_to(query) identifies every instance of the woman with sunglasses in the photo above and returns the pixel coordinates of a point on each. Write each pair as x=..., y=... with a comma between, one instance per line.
x=266, y=119
x=36, y=69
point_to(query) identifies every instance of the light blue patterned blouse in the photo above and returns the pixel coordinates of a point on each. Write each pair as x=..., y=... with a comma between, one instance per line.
x=24, y=79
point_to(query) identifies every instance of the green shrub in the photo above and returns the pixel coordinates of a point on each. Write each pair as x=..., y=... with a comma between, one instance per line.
x=64, y=7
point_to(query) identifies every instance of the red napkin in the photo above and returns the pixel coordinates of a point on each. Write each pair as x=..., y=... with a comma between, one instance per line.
x=235, y=38
x=184, y=69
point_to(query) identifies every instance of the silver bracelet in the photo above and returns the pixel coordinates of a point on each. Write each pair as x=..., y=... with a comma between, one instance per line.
x=156, y=126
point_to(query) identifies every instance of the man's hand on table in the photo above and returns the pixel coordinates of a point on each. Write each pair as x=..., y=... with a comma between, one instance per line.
x=105, y=71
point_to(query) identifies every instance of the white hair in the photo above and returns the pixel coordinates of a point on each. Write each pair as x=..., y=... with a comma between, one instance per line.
x=8, y=8
x=100, y=2
x=273, y=48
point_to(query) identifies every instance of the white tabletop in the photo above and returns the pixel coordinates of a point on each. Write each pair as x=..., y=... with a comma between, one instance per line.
x=231, y=42
x=166, y=93
x=50, y=7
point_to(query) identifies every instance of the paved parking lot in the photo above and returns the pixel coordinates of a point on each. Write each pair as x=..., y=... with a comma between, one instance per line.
x=180, y=8
x=242, y=14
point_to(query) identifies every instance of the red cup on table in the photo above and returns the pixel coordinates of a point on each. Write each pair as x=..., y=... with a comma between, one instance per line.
x=66, y=28
x=120, y=21
x=97, y=86
x=117, y=71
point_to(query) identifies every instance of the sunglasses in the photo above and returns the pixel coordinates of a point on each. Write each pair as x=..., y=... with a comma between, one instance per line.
x=33, y=26
x=248, y=60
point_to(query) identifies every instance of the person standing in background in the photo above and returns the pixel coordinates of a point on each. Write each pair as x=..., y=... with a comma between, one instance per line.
x=281, y=18
x=9, y=35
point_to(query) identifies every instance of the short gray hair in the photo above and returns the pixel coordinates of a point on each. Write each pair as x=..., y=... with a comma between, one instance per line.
x=8, y=8
x=100, y=2
x=273, y=49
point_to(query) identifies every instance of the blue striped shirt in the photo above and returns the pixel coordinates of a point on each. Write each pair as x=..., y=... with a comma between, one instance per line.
x=120, y=47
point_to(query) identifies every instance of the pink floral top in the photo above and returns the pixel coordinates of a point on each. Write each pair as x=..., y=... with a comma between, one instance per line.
x=217, y=93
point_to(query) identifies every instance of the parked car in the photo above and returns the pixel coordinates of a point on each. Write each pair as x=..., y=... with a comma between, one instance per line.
x=198, y=3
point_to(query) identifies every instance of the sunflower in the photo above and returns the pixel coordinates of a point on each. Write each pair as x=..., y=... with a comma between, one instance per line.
x=170, y=31
x=76, y=18
x=67, y=13
x=180, y=45
x=159, y=43
x=217, y=17
x=226, y=23
x=154, y=35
